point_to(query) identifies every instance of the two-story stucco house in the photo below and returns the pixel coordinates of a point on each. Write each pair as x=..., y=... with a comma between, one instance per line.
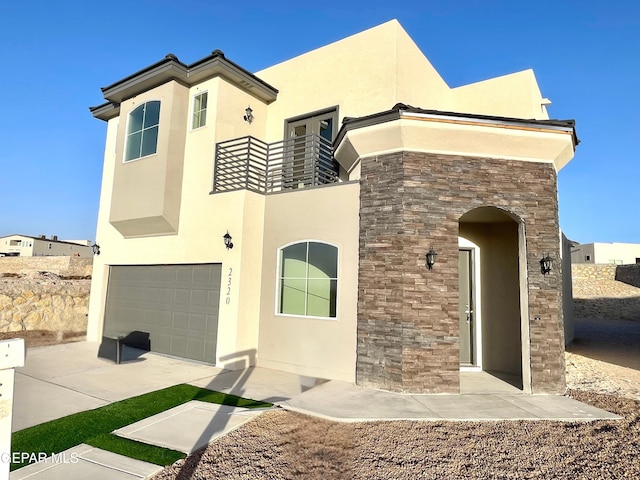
x=28, y=246
x=334, y=174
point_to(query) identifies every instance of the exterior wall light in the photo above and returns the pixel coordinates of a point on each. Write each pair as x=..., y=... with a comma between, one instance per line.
x=248, y=115
x=431, y=258
x=227, y=240
x=545, y=264
x=95, y=248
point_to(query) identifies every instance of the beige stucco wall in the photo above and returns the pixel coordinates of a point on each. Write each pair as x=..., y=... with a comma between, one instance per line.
x=365, y=73
x=583, y=253
x=204, y=219
x=415, y=132
x=514, y=95
x=617, y=253
x=373, y=70
x=229, y=110
x=323, y=348
x=567, y=290
x=147, y=191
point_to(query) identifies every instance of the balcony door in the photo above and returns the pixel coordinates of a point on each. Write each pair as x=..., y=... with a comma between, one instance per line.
x=309, y=158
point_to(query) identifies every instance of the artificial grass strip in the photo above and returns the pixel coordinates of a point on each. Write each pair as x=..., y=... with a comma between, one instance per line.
x=61, y=434
x=133, y=449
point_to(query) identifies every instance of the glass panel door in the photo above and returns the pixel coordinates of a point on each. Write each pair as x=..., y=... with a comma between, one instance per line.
x=465, y=307
x=295, y=174
x=310, y=160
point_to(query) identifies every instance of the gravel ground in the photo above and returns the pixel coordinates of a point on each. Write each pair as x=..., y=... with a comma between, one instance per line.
x=605, y=357
x=41, y=338
x=286, y=445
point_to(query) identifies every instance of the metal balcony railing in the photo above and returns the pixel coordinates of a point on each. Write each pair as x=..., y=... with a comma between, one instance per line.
x=250, y=164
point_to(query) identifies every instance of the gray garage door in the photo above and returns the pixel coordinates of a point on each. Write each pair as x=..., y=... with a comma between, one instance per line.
x=176, y=304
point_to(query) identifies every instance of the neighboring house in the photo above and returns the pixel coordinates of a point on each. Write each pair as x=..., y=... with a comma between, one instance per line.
x=334, y=174
x=615, y=253
x=26, y=246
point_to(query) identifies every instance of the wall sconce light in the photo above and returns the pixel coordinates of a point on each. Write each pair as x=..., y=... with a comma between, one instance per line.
x=95, y=248
x=431, y=258
x=248, y=115
x=545, y=264
x=227, y=240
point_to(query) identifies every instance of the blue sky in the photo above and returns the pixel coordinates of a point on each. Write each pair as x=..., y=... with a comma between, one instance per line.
x=55, y=56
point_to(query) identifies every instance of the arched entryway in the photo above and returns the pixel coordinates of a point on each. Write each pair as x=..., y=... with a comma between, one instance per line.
x=493, y=323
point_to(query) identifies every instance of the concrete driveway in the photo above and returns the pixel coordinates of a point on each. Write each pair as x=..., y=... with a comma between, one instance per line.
x=68, y=378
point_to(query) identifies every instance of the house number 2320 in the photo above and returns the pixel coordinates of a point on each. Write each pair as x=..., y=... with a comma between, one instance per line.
x=228, y=299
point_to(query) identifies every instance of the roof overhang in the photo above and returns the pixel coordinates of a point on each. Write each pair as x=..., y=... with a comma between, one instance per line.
x=410, y=129
x=170, y=68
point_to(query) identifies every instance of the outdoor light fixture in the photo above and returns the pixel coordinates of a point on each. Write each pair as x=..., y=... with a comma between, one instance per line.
x=95, y=248
x=227, y=240
x=248, y=115
x=546, y=264
x=431, y=258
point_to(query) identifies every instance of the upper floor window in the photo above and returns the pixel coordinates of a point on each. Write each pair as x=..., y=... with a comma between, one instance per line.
x=308, y=280
x=142, y=131
x=199, y=118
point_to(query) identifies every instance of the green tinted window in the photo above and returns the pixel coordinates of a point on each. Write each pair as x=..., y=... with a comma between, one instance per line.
x=308, y=280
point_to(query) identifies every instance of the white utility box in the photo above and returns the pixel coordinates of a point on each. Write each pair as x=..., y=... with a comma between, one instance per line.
x=12, y=355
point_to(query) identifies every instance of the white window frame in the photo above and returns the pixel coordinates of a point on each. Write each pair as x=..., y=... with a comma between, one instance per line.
x=126, y=133
x=193, y=110
x=279, y=284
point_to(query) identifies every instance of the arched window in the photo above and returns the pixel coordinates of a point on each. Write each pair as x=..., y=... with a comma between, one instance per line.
x=142, y=131
x=308, y=280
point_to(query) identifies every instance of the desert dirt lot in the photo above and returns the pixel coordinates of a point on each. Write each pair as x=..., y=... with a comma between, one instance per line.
x=602, y=369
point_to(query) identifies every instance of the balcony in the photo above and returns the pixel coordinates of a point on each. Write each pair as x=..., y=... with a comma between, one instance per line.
x=250, y=164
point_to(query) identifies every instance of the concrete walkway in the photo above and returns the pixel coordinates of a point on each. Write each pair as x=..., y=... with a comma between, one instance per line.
x=346, y=402
x=87, y=462
x=64, y=379
x=192, y=425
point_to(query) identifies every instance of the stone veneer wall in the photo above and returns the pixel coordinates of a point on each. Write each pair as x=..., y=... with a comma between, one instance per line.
x=593, y=271
x=32, y=300
x=628, y=274
x=44, y=304
x=606, y=291
x=407, y=316
x=60, y=265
